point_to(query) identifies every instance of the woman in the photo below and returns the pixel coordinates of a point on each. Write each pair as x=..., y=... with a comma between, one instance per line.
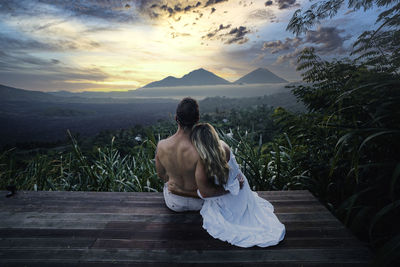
x=238, y=216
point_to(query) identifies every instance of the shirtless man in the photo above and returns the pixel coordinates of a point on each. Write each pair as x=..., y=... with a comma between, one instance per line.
x=177, y=160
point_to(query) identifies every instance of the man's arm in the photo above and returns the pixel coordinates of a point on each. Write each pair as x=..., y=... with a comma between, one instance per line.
x=175, y=189
x=161, y=172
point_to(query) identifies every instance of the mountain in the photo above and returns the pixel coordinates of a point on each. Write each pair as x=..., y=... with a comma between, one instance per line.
x=261, y=75
x=63, y=93
x=11, y=94
x=196, y=77
x=14, y=94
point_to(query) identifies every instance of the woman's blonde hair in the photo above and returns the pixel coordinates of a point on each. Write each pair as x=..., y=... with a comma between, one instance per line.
x=212, y=154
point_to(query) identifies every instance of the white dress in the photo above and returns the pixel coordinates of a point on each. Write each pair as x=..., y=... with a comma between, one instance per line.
x=241, y=217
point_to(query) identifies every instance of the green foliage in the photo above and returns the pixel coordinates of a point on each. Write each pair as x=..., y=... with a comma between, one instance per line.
x=126, y=163
x=353, y=112
x=267, y=166
x=302, y=21
x=6, y=169
x=106, y=170
x=351, y=145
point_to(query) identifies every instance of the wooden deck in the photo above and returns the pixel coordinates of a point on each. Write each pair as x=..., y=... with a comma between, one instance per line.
x=136, y=229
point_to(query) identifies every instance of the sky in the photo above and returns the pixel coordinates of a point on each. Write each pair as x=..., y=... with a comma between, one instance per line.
x=110, y=45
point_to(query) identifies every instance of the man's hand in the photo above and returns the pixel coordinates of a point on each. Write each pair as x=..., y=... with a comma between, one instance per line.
x=174, y=188
x=177, y=190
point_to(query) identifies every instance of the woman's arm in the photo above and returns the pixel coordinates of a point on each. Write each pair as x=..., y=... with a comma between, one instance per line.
x=206, y=187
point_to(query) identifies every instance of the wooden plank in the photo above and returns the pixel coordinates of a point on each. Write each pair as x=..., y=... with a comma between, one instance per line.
x=136, y=203
x=68, y=263
x=146, y=226
x=131, y=204
x=192, y=256
x=160, y=235
x=38, y=233
x=137, y=217
x=52, y=242
x=151, y=199
x=96, y=220
x=212, y=244
x=190, y=226
x=136, y=194
x=160, y=209
x=131, y=225
x=99, y=196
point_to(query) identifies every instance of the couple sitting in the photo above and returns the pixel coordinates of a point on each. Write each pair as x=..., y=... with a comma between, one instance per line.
x=201, y=173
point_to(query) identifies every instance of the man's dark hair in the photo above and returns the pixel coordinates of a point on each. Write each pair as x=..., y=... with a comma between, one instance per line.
x=187, y=112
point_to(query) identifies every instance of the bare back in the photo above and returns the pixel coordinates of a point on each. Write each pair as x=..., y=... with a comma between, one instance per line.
x=178, y=157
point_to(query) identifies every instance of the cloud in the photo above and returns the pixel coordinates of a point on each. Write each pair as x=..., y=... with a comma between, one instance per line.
x=234, y=35
x=25, y=43
x=13, y=43
x=44, y=74
x=222, y=27
x=159, y=9
x=237, y=35
x=180, y=34
x=278, y=45
x=109, y=10
x=190, y=7
x=21, y=60
x=156, y=9
x=49, y=24
x=213, y=33
x=213, y=2
x=283, y=4
x=262, y=15
x=326, y=41
x=291, y=57
x=268, y=3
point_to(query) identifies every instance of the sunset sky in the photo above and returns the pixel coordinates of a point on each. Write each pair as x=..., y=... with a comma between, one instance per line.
x=110, y=45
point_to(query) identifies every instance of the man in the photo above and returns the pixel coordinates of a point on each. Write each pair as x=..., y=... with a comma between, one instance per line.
x=177, y=159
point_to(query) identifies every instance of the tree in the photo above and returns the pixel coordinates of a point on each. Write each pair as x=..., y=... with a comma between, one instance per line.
x=353, y=106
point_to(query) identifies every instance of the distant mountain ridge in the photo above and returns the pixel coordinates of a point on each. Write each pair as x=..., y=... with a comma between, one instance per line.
x=12, y=94
x=260, y=75
x=196, y=77
x=8, y=93
x=199, y=77
x=204, y=77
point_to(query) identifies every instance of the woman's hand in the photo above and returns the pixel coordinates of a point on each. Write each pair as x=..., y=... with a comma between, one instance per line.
x=241, y=180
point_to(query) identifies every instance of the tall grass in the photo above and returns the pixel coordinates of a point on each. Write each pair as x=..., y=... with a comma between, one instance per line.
x=107, y=170
x=269, y=166
x=115, y=161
